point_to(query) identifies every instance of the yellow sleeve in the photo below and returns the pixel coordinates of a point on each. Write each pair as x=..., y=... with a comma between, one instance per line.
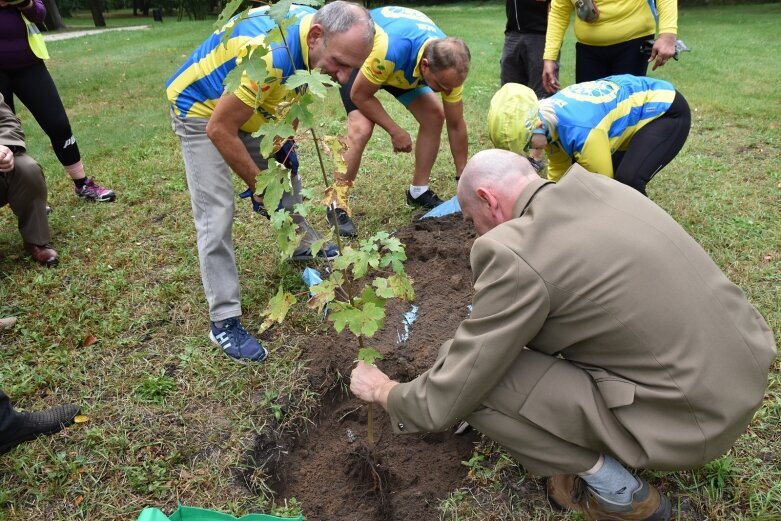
x=558, y=21
x=668, y=16
x=595, y=155
x=455, y=95
x=558, y=162
x=263, y=98
x=376, y=68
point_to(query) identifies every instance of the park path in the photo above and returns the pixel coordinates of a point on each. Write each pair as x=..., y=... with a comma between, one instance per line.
x=76, y=34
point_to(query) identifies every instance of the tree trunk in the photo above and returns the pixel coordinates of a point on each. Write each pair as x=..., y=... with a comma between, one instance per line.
x=53, y=19
x=97, y=13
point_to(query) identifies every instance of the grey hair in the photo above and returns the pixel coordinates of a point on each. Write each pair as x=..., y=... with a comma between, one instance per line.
x=340, y=16
x=448, y=53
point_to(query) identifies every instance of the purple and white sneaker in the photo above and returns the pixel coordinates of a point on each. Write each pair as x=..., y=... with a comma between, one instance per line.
x=94, y=192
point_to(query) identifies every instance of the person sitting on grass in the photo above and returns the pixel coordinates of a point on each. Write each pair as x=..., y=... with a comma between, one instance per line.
x=626, y=127
x=23, y=73
x=601, y=335
x=215, y=129
x=412, y=59
x=23, y=188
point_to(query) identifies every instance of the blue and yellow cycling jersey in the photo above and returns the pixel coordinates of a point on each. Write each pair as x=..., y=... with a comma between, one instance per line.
x=195, y=88
x=401, y=36
x=590, y=121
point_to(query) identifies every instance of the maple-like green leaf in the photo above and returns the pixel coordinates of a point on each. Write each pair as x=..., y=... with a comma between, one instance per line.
x=271, y=183
x=279, y=33
x=277, y=308
x=359, y=260
x=285, y=231
x=323, y=293
x=337, y=148
x=317, y=246
x=342, y=314
x=401, y=285
x=368, y=295
x=271, y=130
x=370, y=320
x=395, y=260
x=232, y=80
x=225, y=15
x=391, y=243
x=255, y=65
x=316, y=81
x=382, y=287
x=301, y=112
x=379, y=237
x=278, y=12
x=369, y=355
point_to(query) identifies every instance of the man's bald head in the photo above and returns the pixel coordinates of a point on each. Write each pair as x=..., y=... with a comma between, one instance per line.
x=489, y=186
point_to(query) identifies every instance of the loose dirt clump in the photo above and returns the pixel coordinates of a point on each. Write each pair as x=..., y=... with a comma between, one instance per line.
x=331, y=471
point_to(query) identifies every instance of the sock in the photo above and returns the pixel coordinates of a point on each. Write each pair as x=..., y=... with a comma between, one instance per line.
x=612, y=482
x=417, y=191
x=76, y=170
x=219, y=323
x=79, y=182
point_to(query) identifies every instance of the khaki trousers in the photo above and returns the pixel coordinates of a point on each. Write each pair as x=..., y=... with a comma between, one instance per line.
x=24, y=190
x=548, y=413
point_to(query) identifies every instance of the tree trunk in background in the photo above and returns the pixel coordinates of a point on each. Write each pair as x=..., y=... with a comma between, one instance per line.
x=53, y=19
x=97, y=13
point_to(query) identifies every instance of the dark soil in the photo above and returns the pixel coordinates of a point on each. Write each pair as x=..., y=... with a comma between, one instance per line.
x=330, y=471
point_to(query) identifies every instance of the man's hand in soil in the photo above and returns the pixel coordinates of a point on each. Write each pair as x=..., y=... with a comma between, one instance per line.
x=370, y=384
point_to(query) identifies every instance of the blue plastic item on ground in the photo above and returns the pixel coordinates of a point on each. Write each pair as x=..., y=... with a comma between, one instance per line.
x=448, y=207
x=311, y=278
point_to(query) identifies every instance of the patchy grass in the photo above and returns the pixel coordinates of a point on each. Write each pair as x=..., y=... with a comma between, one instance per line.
x=173, y=420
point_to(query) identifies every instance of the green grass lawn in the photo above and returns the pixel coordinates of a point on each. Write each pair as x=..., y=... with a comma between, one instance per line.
x=171, y=418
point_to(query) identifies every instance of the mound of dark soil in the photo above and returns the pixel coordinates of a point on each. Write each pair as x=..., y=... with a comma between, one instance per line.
x=330, y=471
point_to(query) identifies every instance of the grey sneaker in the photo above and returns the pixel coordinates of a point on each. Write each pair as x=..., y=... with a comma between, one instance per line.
x=304, y=250
x=346, y=225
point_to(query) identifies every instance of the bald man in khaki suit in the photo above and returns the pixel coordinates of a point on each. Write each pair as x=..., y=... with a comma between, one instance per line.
x=600, y=332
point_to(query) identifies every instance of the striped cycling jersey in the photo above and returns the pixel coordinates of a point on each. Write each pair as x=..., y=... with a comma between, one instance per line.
x=401, y=36
x=195, y=88
x=590, y=121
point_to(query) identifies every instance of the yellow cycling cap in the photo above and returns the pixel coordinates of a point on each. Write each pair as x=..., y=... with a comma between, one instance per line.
x=512, y=116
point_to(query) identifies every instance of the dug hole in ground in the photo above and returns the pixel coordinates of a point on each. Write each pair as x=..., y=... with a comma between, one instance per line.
x=325, y=468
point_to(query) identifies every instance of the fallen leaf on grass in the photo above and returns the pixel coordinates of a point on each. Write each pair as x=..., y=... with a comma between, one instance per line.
x=81, y=418
x=78, y=500
x=91, y=339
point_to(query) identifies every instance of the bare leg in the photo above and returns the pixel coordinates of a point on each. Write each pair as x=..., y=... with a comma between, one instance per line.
x=359, y=131
x=428, y=110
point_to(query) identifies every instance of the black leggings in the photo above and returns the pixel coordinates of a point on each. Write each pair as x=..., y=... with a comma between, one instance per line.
x=654, y=146
x=594, y=62
x=35, y=88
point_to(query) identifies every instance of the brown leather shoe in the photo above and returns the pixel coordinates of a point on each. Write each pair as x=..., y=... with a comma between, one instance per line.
x=569, y=492
x=44, y=255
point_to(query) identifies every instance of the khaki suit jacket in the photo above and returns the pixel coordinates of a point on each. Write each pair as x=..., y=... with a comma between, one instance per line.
x=11, y=134
x=593, y=272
